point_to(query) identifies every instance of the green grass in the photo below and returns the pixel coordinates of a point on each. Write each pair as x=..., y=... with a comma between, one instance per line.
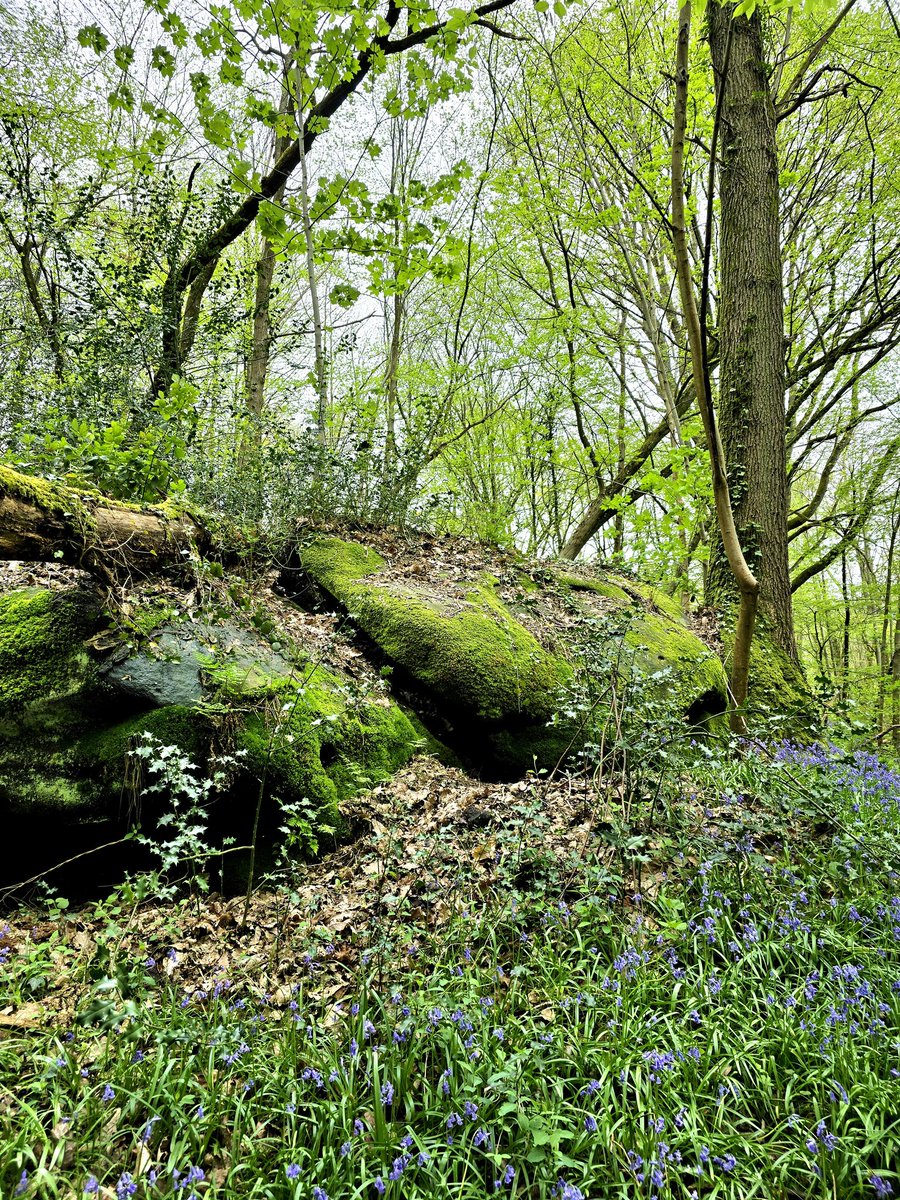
x=735, y=1035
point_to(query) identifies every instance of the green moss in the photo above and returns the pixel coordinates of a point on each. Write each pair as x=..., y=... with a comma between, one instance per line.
x=30, y=490
x=777, y=683
x=600, y=586
x=41, y=644
x=661, y=643
x=669, y=605
x=174, y=725
x=472, y=656
x=335, y=564
x=327, y=748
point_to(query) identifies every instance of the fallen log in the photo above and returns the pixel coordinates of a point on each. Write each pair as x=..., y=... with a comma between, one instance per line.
x=42, y=521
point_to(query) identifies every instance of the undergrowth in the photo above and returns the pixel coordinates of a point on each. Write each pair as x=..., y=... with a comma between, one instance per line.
x=730, y=1033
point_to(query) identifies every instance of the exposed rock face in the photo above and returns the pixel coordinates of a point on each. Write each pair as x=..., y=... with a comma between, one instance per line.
x=69, y=715
x=510, y=667
x=498, y=680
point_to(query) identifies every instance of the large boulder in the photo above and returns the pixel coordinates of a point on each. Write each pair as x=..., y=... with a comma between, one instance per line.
x=498, y=661
x=76, y=694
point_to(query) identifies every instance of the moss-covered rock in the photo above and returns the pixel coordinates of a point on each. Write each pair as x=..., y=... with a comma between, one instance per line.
x=42, y=636
x=491, y=684
x=469, y=651
x=316, y=743
x=74, y=704
x=496, y=687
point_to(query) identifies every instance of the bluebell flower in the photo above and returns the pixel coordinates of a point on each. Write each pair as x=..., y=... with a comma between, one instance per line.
x=471, y=1110
x=92, y=1186
x=22, y=1185
x=292, y=1170
x=590, y=1124
x=125, y=1187
x=319, y=1193
x=378, y=1185
x=387, y=1093
x=398, y=1166
x=881, y=1186
x=567, y=1191
x=345, y=1149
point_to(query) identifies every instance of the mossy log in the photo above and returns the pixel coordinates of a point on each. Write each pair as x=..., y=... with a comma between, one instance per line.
x=43, y=522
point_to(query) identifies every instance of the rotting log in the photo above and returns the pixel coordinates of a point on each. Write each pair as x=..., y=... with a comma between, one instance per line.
x=42, y=521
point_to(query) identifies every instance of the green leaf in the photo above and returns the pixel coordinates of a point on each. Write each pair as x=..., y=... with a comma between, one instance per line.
x=92, y=37
x=344, y=295
x=163, y=60
x=124, y=57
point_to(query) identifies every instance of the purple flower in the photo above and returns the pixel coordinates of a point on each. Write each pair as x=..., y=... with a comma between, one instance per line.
x=471, y=1110
x=398, y=1166
x=319, y=1194
x=881, y=1186
x=22, y=1184
x=358, y=1127
x=387, y=1093
x=292, y=1170
x=108, y=1093
x=567, y=1191
x=125, y=1187
x=92, y=1185
x=345, y=1149
x=590, y=1125
x=378, y=1185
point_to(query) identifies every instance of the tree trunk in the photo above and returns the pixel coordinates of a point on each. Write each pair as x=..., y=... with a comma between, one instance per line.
x=751, y=405
x=743, y=579
x=261, y=346
x=47, y=522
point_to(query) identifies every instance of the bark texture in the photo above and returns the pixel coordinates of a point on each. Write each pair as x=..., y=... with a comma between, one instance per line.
x=43, y=522
x=751, y=322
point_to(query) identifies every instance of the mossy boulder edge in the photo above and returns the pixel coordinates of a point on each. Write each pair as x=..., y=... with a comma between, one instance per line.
x=500, y=689
x=70, y=712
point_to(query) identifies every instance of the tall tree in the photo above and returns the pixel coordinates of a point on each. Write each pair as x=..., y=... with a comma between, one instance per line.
x=751, y=318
